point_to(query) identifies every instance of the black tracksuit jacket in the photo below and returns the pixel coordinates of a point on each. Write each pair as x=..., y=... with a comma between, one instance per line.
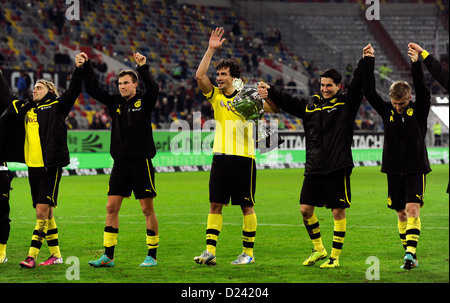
x=328, y=125
x=404, y=149
x=131, y=130
x=437, y=70
x=51, y=114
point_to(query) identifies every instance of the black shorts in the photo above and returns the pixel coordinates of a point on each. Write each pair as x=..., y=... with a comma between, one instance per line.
x=232, y=177
x=44, y=184
x=132, y=176
x=405, y=189
x=331, y=190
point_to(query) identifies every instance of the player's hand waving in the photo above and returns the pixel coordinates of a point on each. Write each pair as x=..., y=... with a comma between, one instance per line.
x=216, y=40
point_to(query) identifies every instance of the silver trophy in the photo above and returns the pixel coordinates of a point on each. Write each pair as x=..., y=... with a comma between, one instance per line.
x=248, y=104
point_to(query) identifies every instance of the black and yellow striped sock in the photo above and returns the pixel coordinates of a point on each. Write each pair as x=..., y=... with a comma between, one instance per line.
x=52, y=238
x=313, y=229
x=213, y=228
x=110, y=240
x=402, y=232
x=412, y=234
x=152, y=243
x=340, y=227
x=249, y=233
x=38, y=237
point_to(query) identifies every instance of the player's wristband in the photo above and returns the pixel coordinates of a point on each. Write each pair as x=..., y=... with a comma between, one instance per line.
x=424, y=54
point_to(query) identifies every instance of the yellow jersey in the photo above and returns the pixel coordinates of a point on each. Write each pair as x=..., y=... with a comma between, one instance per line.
x=233, y=135
x=32, y=149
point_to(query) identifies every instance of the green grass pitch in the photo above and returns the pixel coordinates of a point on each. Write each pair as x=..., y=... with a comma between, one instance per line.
x=282, y=243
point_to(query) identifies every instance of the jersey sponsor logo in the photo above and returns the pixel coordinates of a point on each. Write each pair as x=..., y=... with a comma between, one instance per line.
x=31, y=120
x=330, y=110
x=230, y=107
x=47, y=105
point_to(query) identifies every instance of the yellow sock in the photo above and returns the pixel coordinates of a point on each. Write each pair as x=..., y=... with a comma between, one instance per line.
x=110, y=240
x=52, y=238
x=213, y=228
x=38, y=237
x=313, y=229
x=340, y=227
x=249, y=233
x=152, y=243
x=412, y=234
x=402, y=232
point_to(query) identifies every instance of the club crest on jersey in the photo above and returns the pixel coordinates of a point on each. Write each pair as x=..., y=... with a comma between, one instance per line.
x=410, y=112
x=137, y=104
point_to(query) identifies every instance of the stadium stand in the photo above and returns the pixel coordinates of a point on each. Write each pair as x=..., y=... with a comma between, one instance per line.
x=275, y=41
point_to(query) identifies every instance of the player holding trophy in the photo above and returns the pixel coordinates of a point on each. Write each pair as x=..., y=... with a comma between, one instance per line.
x=233, y=169
x=249, y=105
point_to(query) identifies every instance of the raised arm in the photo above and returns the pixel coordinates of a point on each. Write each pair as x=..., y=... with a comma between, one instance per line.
x=355, y=90
x=436, y=69
x=6, y=95
x=92, y=85
x=423, y=97
x=369, y=87
x=71, y=94
x=215, y=41
x=151, y=87
x=10, y=105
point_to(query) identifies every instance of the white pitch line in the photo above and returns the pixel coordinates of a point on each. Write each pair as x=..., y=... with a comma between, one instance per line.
x=103, y=217
x=240, y=224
